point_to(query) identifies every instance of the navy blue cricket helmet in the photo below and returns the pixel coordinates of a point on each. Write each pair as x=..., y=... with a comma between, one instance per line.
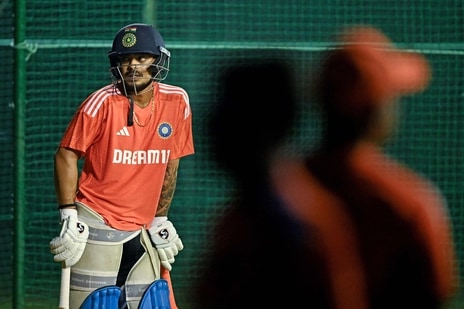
x=140, y=38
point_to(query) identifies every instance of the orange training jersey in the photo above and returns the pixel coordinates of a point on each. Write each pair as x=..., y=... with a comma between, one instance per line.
x=124, y=165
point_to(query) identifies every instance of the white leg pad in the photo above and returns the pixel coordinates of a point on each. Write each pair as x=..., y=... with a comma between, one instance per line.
x=101, y=259
x=142, y=274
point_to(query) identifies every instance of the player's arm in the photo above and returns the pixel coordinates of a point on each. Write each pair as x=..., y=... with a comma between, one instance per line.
x=169, y=186
x=69, y=246
x=66, y=175
x=162, y=231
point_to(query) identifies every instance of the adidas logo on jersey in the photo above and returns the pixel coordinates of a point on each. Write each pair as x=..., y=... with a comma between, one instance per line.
x=123, y=132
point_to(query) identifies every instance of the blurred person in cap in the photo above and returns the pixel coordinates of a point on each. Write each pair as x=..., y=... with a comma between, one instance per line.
x=131, y=135
x=384, y=229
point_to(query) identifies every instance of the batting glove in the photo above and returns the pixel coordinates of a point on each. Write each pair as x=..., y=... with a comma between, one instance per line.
x=166, y=240
x=70, y=245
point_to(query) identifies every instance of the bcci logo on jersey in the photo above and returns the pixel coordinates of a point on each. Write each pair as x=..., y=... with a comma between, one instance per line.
x=164, y=130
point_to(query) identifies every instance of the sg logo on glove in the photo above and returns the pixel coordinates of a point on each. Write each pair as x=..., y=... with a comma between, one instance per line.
x=164, y=234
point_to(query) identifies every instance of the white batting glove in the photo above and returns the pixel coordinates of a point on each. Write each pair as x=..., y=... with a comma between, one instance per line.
x=70, y=245
x=166, y=240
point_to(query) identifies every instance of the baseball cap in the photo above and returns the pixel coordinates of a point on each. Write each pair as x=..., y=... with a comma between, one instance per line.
x=368, y=70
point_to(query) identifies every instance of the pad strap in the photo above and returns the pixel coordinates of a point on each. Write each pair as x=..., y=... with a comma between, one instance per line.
x=99, y=232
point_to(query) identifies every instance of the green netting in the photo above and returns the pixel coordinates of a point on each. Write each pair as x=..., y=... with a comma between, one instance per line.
x=66, y=44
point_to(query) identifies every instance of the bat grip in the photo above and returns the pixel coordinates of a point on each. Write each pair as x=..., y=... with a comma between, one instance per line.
x=64, y=287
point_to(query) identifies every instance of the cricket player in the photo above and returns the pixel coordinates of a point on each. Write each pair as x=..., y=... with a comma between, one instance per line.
x=131, y=135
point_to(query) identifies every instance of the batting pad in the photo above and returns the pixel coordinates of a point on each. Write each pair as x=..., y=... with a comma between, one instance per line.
x=156, y=296
x=103, y=298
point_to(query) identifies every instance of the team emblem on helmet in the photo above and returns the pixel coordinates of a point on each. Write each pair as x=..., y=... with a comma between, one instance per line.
x=164, y=130
x=129, y=39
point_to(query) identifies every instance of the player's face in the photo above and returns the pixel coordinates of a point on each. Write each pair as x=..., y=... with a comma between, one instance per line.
x=136, y=70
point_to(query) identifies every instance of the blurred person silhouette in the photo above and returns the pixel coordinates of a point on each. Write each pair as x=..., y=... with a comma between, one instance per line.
x=383, y=228
x=257, y=258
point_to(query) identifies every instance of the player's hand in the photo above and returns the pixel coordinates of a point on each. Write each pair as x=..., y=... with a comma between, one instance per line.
x=70, y=245
x=166, y=240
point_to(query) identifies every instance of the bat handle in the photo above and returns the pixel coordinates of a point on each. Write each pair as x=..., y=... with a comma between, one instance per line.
x=64, y=287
